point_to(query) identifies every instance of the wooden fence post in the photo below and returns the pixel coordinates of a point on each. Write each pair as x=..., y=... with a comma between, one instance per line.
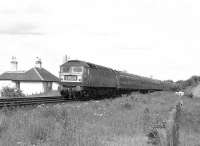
x=169, y=135
x=172, y=126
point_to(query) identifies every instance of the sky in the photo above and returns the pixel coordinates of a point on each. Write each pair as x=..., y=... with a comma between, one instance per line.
x=159, y=38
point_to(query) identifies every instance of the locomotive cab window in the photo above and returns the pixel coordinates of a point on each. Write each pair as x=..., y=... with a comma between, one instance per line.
x=77, y=69
x=65, y=69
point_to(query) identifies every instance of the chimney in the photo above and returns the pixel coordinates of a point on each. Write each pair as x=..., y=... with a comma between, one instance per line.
x=38, y=62
x=14, y=63
x=65, y=59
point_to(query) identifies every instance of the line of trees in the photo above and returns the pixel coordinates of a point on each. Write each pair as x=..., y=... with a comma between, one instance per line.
x=192, y=81
x=183, y=84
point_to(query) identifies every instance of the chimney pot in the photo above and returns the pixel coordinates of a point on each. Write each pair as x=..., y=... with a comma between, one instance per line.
x=14, y=63
x=38, y=62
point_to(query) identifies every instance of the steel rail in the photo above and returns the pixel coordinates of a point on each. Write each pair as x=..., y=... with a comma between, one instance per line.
x=15, y=102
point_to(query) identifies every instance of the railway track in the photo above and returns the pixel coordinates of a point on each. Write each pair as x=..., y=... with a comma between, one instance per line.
x=15, y=102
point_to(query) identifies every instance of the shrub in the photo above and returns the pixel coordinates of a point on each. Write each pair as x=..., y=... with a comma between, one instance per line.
x=11, y=92
x=192, y=81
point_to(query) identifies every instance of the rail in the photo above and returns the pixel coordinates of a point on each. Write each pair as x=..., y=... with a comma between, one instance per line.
x=14, y=102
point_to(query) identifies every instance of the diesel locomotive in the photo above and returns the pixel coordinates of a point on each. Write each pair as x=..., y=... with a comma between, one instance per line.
x=80, y=79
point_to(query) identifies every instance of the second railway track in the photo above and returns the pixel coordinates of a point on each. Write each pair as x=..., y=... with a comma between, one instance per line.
x=15, y=102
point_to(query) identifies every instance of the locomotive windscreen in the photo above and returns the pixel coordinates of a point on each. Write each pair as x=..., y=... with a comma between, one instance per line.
x=72, y=69
x=77, y=69
x=65, y=69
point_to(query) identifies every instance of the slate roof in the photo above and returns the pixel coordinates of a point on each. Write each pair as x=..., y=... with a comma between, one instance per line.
x=34, y=74
x=12, y=75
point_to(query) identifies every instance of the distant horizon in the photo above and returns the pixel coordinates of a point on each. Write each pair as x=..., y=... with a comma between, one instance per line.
x=21, y=70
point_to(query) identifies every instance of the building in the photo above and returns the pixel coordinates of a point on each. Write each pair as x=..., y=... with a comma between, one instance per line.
x=34, y=81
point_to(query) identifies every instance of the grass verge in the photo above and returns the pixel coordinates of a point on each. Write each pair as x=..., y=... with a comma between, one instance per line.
x=122, y=121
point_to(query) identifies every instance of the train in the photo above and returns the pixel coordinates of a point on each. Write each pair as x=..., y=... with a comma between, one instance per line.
x=81, y=79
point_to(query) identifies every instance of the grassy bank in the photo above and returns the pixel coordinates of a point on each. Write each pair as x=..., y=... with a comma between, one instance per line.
x=122, y=121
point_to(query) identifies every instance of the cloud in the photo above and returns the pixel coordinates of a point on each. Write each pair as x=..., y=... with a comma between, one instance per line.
x=22, y=6
x=104, y=34
x=20, y=29
x=22, y=17
x=133, y=49
x=8, y=11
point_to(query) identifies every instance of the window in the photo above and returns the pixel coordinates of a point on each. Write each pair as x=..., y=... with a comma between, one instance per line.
x=65, y=69
x=78, y=69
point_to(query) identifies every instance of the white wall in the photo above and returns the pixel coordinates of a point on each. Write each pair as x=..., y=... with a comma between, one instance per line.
x=29, y=88
x=55, y=86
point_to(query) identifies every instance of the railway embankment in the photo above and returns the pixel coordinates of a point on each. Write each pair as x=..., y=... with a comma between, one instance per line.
x=123, y=121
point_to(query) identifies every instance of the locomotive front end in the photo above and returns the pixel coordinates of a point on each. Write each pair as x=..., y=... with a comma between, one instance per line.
x=72, y=79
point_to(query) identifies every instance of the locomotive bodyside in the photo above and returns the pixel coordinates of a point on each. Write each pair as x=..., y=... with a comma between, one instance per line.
x=101, y=77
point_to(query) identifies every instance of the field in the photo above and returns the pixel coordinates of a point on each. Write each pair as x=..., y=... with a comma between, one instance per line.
x=123, y=121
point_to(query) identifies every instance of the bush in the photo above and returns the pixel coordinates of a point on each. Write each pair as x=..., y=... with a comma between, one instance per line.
x=11, y=92
x=192, y=81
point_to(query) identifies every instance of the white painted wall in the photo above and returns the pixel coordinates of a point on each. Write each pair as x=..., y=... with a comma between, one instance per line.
x=29, y=88
x=55, y=86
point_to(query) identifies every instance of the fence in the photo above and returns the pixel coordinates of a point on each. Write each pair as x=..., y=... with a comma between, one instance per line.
x=169, y=134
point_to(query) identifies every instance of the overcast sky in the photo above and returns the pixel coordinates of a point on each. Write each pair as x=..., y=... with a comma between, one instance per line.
x=145, y=37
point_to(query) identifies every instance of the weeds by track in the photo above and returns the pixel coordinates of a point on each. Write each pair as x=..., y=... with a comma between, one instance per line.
x=15, y=102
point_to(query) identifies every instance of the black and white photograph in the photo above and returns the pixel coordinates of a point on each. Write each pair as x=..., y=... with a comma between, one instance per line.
x=99, y=73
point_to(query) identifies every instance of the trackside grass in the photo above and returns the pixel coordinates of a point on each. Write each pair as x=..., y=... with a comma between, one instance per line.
x=123, y=121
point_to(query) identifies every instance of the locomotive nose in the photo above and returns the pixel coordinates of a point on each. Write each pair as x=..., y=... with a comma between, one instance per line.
x=72, y=74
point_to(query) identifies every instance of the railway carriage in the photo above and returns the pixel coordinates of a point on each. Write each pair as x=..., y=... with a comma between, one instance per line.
x=84, y=79
x=134, y=82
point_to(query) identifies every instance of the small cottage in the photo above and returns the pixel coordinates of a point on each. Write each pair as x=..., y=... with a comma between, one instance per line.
x=34, y=81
